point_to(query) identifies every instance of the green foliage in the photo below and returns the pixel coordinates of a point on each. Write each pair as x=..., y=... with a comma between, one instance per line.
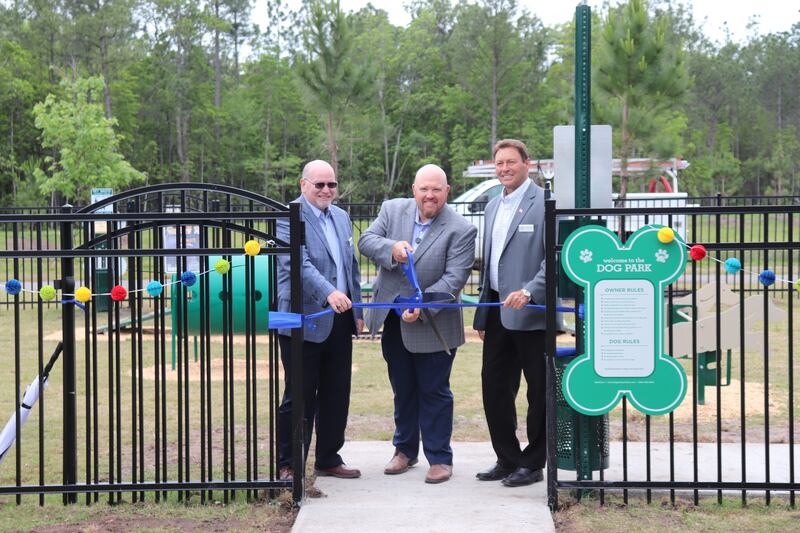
x=75, y=126
x=641, y=73
x=197, y=91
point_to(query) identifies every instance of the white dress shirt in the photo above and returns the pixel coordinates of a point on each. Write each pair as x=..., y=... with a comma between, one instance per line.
x=502, y=222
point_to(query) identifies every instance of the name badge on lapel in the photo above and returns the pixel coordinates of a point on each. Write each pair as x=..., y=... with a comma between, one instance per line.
x=526, y=228
x=350, y=241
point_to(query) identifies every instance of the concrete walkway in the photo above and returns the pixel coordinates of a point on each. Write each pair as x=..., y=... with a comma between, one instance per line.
x=380, y=503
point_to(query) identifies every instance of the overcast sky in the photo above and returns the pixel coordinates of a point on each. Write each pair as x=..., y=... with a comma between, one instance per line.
x=772, y=15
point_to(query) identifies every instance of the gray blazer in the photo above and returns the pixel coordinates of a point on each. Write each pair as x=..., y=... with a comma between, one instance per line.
x=521, y=262
x=319, y=270
x=443, y=262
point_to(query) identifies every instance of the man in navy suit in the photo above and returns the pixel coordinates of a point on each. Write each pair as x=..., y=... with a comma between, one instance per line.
x=330, y=278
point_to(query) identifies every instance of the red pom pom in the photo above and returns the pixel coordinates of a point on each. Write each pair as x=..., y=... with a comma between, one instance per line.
x=119, y=293
x=697, y=252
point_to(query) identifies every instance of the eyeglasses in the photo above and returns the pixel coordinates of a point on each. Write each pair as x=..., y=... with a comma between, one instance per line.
x=319, y=185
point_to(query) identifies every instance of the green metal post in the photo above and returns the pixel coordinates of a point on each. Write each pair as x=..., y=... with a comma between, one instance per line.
x=583, y=142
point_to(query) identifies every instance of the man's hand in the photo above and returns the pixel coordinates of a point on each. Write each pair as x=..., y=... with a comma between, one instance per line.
x=339, y=301
x=359, y=325
x=411, y=316
x=481, y=333
x=516, y=300
x=399, y=251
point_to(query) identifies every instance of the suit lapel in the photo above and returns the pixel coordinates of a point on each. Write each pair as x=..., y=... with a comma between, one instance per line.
x=491, y=213
x=407, y=222
x=524, y=205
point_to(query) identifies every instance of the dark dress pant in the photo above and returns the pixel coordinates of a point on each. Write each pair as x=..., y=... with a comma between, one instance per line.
x=423, y=401
x=327, y=368
x=507, y=355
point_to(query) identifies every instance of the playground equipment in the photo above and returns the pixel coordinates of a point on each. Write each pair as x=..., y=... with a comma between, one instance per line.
x=217, y=295
x=704, y=314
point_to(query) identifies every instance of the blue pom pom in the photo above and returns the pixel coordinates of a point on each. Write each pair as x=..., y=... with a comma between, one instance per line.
x=13, y=287
x=154, y=288
x=732, y=265
x=766, y=278
x=189, y=278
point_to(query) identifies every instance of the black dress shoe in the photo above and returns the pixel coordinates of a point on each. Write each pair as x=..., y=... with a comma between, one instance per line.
x=523, y=476
x=495, y=473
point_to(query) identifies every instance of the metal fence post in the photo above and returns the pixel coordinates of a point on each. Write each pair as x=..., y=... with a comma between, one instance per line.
x=70, y=453
x=550, y=349
x=296, y=238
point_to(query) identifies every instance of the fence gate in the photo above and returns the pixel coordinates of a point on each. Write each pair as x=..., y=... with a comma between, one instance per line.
x=167, y=379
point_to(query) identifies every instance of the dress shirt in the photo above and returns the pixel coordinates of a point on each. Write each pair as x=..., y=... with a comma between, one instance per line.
x=329, y=228
x=502, y=222
x=419, y=230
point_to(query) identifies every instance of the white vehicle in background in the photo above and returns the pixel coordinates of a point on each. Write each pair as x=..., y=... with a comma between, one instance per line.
x=472, y=203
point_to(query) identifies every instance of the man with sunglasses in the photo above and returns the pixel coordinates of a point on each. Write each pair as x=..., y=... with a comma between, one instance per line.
x=331, y=278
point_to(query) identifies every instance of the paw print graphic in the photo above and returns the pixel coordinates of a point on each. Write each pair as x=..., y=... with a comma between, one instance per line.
x=662, y=256
x=586, y=255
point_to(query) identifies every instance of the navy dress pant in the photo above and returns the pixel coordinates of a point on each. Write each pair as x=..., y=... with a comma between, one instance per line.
x=423, y=401
x=327, y=369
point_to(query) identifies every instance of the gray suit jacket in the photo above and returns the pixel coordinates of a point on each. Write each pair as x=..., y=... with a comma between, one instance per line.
x=319, y=269
x=521, y=263
x=443, y=262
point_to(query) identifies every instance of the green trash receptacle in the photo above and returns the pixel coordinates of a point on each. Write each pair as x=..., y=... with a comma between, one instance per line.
x=582, y=440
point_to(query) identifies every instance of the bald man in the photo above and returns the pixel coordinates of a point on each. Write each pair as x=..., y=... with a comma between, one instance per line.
x=331, y=279
x=419, y=346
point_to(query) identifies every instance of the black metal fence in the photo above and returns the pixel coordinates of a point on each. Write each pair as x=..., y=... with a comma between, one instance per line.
x=735, y=432
x=168, y=390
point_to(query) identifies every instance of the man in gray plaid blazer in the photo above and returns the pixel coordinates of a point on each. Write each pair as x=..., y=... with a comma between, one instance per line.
x=420, y=345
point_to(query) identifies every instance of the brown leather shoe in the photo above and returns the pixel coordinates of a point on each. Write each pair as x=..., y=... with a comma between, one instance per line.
x=400, y=463
x=340, y=471
x=439, y=473
x=285, y=474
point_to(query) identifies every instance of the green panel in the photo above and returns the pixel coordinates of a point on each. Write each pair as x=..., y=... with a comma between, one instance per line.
x=217, y=293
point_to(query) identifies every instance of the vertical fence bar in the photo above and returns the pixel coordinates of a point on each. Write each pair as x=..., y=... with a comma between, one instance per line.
x=297, y=239
x=70, y=453
x=17, y=391
x=766, y=363
x=790, y=356
x=742, y=363
x=718, y=328
x=550, y=317
x=40, y=351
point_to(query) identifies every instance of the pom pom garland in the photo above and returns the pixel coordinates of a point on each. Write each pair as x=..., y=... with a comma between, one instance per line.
x=252, y=247
x=119, y=293
x=188, y=278
x=83, y=294
x=47, y=293
x=13, y=287
x=697, y=252
x=154, y=288
x=766, y=278
x=666, y=235
x=732, y=265
x=222, y=266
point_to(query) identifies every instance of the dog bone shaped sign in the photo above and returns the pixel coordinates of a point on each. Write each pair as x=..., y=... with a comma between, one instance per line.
x=624, y=302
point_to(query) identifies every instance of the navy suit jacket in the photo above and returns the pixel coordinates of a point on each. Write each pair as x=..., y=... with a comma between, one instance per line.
x=319, y=269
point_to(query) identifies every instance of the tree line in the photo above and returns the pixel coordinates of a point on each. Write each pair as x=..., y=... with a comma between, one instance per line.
x=121, y=93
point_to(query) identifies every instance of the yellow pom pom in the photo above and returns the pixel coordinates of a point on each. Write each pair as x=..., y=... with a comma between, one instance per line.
x=666, y=235
x=252, y=247
x=83, y=294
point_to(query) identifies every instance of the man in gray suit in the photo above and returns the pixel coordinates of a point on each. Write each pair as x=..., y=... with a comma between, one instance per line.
x=513, y=272
x=331, y=277
x=420, y=345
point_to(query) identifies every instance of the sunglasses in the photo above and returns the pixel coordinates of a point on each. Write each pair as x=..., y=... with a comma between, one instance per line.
x=319, y=185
